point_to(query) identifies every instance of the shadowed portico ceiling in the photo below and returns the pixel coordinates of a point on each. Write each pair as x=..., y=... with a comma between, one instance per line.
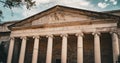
x=64, y=16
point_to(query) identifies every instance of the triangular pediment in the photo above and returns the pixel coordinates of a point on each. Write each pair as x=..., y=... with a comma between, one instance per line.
x=60, y=17
x=62, y=14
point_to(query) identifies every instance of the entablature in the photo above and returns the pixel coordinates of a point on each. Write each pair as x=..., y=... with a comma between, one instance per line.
x=67, y=29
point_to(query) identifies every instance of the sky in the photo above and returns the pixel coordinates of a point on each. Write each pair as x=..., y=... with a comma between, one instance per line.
x=20, y=13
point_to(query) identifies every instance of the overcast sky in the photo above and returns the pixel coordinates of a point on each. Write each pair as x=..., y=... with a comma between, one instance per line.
x=41, y=5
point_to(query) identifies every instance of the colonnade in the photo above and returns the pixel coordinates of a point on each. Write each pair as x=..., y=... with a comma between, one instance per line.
x=97, y=52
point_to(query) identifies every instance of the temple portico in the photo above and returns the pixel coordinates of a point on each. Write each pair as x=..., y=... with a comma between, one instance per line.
x=65, y=35
x=79, y=36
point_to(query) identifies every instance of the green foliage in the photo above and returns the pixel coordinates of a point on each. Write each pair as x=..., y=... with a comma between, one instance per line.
x=15, y=3
x=1, y=15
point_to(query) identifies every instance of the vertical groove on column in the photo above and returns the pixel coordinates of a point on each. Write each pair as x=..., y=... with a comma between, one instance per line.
x=22, y=51
x=35, y=49
x=115, y=44
x=79, y=48
x=97, y=52
x=10, y=53
x=64, y=49
x=49, y=49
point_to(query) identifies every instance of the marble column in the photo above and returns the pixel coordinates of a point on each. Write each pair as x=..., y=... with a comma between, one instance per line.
x=10, y=52
x=115, y=45
x=22, y=51
x=97, y=52
x=35, y=49
x=49, y=49
x=64, y=49
x=79, y=47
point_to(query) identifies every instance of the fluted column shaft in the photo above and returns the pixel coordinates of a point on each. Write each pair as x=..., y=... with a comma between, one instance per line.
x=64, y=49
x=49, y=49
x=10, y=52
x=97, y=52
x=115, y=44
x=79, y=48
x=35, y=49
x=22, y=51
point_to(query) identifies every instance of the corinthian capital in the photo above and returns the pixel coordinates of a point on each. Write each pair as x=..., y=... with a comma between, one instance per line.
x=79, y=34
x=49, y=36
x=23, y=37
x=64, y=35
x=36, y=37
x=96, y=33
x=112, y=32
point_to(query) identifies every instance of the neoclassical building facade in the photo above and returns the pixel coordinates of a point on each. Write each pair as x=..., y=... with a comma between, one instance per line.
x=65, y=35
